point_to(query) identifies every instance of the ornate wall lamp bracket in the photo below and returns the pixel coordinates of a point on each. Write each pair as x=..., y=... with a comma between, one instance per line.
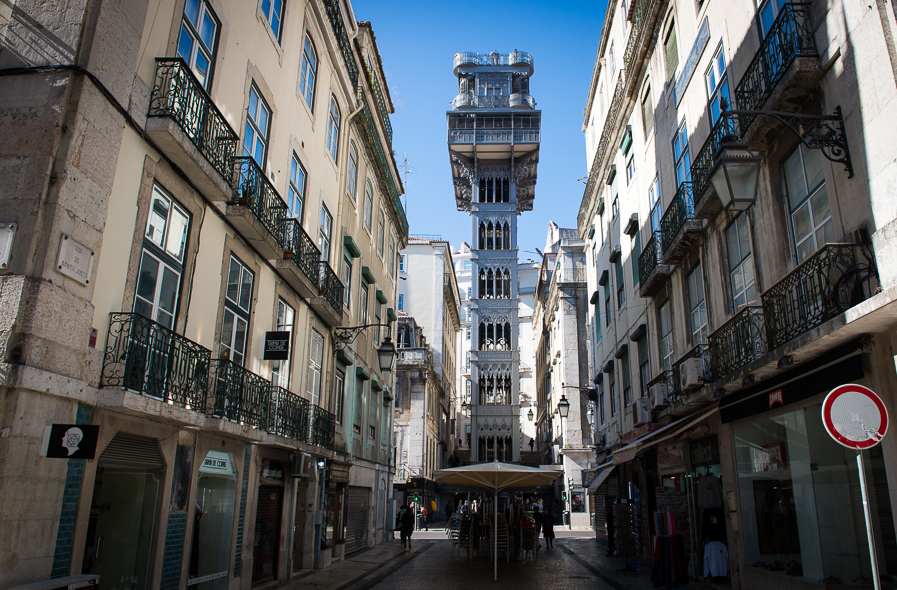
x=342, y=337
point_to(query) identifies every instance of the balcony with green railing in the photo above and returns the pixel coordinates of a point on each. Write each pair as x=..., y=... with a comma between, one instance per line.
x=643, y=20
x=739, y=341
x=238, y=394
x=607, y=139
x=299, y=265
x=334, y=15
x=288, y=414
x=322, y=427
x=380, y=99
x=652, y=271
x=257, y=210
x=706, y=205
x=680, y=230
x=383, y=162
x=329, y=302
x=146, y=357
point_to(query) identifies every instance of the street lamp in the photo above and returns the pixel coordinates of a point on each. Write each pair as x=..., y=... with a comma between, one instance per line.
x=386, y=354
x=735, y=174
x=563, y=406
x=530, y=415
x=465, y=407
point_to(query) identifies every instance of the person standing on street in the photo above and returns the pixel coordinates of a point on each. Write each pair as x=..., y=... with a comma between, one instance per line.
x=548, y=528
x=406, y=518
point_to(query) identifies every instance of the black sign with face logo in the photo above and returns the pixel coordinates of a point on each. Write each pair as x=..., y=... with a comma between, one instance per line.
x=277, y=346
x=70, y=441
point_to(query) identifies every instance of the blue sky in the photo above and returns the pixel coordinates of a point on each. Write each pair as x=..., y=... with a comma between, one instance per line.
x=418, y=40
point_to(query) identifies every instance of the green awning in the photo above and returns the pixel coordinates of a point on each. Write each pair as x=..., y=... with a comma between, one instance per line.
x=351, y=247
x=381, y=296
x=391, y=314
x=626, y=143
x=345, y=357
x=366, y=274
x=362, y=373
x=375, y=386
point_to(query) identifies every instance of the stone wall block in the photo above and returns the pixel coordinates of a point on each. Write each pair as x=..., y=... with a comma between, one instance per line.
x=116, y=43
x=43, y=32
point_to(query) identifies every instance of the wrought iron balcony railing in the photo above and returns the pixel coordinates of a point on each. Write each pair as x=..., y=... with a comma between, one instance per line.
x=322, y=427
x=521, y=99
x=642, y=10
x=330, y=286
x=739, y=341
x=789, y=37
x=303, y=251
x=650, y=257
x=820, y=288
x=146, y=357
x=239, y=394
x=681, y=209
x=253, y=189
x=379, y=97
x=610, y=122
x=494, y=135
x=288, y=414
x=493, y=59
x=674, y=383
x=177, y=94
x=383, y=161
x=469, y=99
x=570, y=275
x=724, y=128
x=334, y=15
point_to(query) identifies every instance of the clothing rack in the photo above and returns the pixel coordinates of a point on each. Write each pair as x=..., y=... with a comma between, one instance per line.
x=669, y=565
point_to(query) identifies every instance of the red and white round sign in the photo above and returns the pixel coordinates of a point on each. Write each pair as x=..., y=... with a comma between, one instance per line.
x=855, y=416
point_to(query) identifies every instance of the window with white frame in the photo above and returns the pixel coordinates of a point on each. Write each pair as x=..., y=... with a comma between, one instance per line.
x=273, y=11
x=630, y=170
x=346, y=278
x=237, y=307
x=368, y=206
x=811, y=216
x=381, y=232
x=352, y=178
x=681, y=156
x=198, y=39
x=258, y=121
x=280, y=370
x=401, y=263
x=621, y=284
x=697, y=305
x=296, y=190
x=401, y=302
x=309, y=72
x=768, y=11
x=363, y=304
x=666, y=336
x=671, y=49
x=654, y=202
x=741, y=268
x=626, y=379
x=339, y=395
x=325, y=233
x=315, y=367
x=392, y=256
x=333, y=126
x=612, y=393
x=615, y=207
x=647, y=110
x=717, y=82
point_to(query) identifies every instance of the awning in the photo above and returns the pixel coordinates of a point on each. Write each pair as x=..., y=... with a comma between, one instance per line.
x=628, y=452
x=599, y=479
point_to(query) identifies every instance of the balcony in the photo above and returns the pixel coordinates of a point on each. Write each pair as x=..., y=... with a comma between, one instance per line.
x=515, y=58
x=608, y=138
x=652, y=272
x=148, y=358
x=334, y=15
x=380, y=98
x=679, y=229
x=299, y=265
x=570, y=275
x=411, y=357
x=329, y=303
x=738, y=342
x=784, y=70
x=288, y=414
x=239, y=395
x=256, y=210
x=819, y=289
x=322, y=427
x=518, y=100
x=383, y=161
x=184, y=122
x=521, y=100
x=706, y=203
x=644, y=22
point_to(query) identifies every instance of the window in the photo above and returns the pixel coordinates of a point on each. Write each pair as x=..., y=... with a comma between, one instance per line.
x=339, y=395
x=671, y=50
x=368, y=205
x=309, y=72
x=769, y=10
x=636, y=254
x=621, y=285
x=626, y=380
x=162, y=260
x=607, y=305
x=644, y=371
x=392, y=256
x=681, y=156
x=630, y=170
x=346, y=278
x=717, y=83
x=258, y=119
x=601, y=408
x=324, y=233
x=363, y=304
x=273, y=11
x=697, y=306
x=666, y=337
x=647, y=110
x=654, y=202
x=371, y=431
x=611, y=59
x=315, y=366
x=612, y=393
x=237, y=305
x=469, y=292
x=280, y=370
x=467, y=332
x=381, y=232
x=741, y=268
x=333, y=125
x=296, y=190
x=811, y=217
x=198, y=38
x=401, y=263
x=615, y=207
x=401, y=302
x=352, y=180
x=467, y=361
x=467, y=264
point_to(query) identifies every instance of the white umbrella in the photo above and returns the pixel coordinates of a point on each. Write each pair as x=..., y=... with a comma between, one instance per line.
x=496, y=477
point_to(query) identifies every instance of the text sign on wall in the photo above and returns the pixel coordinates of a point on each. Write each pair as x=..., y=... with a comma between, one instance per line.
x=705, y=451
x=74, y=260
x=277, y=346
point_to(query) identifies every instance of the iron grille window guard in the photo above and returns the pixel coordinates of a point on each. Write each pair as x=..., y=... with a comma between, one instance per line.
x=253, y=189
x=144, y=356
x=330, y=286
x=699, y=351
x=240, y=395
x=177, y=94
x=301, y=249
x=739, y=341
x=288, y=414
x=651, y=256
x=322, y=427
x=681, y=209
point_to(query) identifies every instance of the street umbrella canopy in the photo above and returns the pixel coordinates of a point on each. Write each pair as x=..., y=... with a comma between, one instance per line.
x=496, y=477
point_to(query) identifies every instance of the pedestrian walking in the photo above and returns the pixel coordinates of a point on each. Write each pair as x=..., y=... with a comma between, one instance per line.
x=537, y=519
x=423, y=517
x=406, y=527
x=434, y=511
x=548, y=528
x=532, y=443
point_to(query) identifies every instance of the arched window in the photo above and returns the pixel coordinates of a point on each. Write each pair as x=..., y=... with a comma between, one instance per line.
x=368, y=205
x=309, y=72
x=352, y=180
x=333, y=127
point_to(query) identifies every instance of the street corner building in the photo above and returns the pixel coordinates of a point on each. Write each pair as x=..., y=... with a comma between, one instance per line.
x=200, y=225
x=740, y=236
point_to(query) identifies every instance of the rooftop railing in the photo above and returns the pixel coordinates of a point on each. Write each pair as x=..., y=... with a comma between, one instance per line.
x=739, y=341
x=680, y=210
x=330, y=286
x=493, y=59
x=254, y=190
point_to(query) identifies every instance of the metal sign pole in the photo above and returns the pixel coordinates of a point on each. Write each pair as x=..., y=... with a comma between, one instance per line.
x=868, y=513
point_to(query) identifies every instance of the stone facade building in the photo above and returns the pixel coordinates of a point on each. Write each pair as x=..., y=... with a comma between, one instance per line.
x=196, y=196
x=730, y=317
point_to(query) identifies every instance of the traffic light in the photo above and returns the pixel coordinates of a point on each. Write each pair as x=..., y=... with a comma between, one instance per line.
x=564, y=496
x=416, y=498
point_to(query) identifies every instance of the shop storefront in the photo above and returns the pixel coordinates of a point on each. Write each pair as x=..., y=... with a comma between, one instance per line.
x=213, y=522
x=268, y=517
x=332, y=532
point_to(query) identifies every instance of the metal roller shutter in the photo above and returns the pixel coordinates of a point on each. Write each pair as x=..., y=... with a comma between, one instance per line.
x=358, y=508
x=600, y=519
x=133, y=451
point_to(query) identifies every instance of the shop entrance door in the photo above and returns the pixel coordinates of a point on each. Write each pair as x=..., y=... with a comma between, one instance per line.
x=267, y=533
x=358, y=508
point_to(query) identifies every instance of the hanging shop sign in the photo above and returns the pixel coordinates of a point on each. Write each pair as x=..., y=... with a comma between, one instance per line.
x=705, y=451
x=277, y=346
x=70, y=441
x=855, y=416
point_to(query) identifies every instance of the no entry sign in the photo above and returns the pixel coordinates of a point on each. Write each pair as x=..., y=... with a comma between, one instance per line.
x=855, y=416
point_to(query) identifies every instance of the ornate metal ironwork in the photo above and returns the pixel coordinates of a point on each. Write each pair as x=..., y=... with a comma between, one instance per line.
x=739, y=341
x=725, y=128
x=493, y=59
x=701, y=351
x=344, y=336
x=650, y=257
x=288, y=414
x=816, y=291
x=641, y=10
x=381, y=100
x=383, y=161
x=302, y=249
x=334, y=15
x=322, y=427
x=330, y=286
x=253, y=189
x=239, y=394
x=146, y=357
x=179, y=95
x=789, y=37
x=681, y=209
x=610, y=122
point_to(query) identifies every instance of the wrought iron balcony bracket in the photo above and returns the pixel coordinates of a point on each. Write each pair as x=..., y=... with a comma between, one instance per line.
x=820, y=132
x=343, y=337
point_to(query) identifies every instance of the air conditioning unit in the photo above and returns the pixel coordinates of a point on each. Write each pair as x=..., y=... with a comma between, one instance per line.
x=641, y=411
x=658, y=394
x=691, y=374
x=301, y=465
x=616, y=427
